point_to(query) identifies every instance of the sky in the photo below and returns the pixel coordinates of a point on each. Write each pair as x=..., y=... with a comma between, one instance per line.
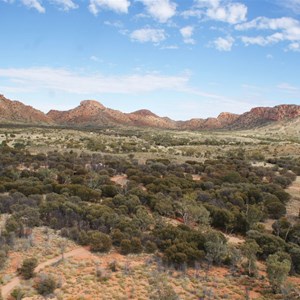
x=178, y=58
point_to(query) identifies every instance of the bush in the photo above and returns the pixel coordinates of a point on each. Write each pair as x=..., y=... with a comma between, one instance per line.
x=125, y=247
x=113, y=266
x=46, y=285
x=100, y=242
x=136, y=245
x=278, y=268
x=17, y=294
x=150, y=247
x=275, y=209
x=3, y=258
x=27, y=268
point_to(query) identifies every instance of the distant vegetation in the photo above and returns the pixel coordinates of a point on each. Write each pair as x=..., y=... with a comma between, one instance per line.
x=179, y=211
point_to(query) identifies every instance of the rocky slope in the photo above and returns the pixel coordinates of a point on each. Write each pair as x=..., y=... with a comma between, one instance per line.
x=222, y=121
x=93, y=113
x=89, y=112
x=17, y=112
x=147, y=118
x=263, y=115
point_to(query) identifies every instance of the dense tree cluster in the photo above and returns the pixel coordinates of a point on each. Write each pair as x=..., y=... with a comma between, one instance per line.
x=74, y=193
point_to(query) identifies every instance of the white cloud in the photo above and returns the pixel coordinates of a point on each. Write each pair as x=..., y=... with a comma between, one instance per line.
x=294, y=47
x=288, y=88
x=96, y=59
x=33, y=4
x=50, y=81
x=116, y=24
x=261, y=40
x=119, y=6
x=65, y=4
x=170, y=47
x=187, y=33
x=232, y=13
x=224, y=44
x=287, y=29
x=225, y=11
x=294, y=5
x=257, y=40
x=262, y=23
x=192, y=13
x=208, y=3
x=148, y=35
x=161, y=10
x=67, y=81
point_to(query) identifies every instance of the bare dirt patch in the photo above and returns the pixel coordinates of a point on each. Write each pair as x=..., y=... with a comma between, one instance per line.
x=120, y=179
x=234, y=240
x=196, y=177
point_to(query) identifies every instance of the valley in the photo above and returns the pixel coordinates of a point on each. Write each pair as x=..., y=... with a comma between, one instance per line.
x=149, y=150
x=144, y=191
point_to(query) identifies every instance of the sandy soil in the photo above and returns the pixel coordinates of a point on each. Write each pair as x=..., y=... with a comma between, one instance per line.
x=120, y=179
x=234, y=240
x=196, y=177
x=79, y=252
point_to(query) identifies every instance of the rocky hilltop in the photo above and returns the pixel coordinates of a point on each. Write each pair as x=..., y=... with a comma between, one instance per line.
x=17, y=112
x=223, y=120
x=93, y=113
x=263, y=115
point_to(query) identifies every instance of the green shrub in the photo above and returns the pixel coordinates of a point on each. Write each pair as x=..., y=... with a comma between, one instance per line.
x=100, y=242
x=125, y=247
x=27, y=268
x=46, y=285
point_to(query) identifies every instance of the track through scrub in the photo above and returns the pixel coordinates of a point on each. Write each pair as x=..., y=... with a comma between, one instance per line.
x=15, y=281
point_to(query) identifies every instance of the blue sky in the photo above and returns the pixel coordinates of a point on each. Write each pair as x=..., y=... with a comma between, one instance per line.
x=178, y=58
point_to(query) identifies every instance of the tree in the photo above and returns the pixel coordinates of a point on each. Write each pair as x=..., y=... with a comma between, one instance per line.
x=250, y=248
x=216, y=247
x=100, y=242
x=142, y=219
x=278, y=268
x=282, y=228
x=62, y=245
x=235, y=255
x=294, y=251
x=191, y=211
x=27, y=268
x=253, y=215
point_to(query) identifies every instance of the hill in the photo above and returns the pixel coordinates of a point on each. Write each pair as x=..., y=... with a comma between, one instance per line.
x=17, y=112
x=93, y=113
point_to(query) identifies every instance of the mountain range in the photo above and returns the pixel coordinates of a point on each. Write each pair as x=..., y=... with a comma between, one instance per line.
x=93, y=113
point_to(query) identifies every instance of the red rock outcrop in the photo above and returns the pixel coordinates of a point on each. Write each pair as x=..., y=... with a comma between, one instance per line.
x=17, y=112
x=262, y=115
x=93, y=113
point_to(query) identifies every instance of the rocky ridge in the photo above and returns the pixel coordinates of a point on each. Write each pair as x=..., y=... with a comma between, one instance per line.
x=17, y=112
x=93, y=113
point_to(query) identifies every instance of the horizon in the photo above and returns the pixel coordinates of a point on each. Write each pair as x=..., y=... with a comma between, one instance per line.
x=141, y=109
x=187, y=60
